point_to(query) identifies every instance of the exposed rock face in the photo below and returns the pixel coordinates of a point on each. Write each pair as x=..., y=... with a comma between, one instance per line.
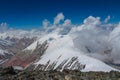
x=20, y=44
x=12, y=46
x=27, y=57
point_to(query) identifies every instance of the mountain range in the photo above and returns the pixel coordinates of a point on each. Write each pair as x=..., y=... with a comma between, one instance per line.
x=91, y=46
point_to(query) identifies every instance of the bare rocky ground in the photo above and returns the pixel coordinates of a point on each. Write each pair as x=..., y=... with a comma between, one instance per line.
x=9, y=73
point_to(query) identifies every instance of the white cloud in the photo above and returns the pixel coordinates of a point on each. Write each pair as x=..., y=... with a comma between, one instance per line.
x=107, y=19
x=94, y=40
x=3, y=26
x=90, y=23
x=92, y=20
x=58, y=18
x=115, y=43
x=67, y=22
x=45, y=23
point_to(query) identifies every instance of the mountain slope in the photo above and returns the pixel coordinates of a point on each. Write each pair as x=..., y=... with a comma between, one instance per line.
x=61, y=53
x=10, y=47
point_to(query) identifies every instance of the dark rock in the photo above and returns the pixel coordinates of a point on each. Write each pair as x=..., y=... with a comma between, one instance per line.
x=9, y=70
x=10, y=74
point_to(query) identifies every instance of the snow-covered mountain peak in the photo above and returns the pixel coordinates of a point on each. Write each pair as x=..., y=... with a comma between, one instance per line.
x=61, y=51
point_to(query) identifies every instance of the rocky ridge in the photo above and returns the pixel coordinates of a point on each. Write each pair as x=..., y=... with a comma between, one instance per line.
x=9, y=73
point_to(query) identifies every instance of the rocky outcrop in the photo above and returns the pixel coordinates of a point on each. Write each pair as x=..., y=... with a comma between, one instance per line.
x=71, y=64
x=11, y=74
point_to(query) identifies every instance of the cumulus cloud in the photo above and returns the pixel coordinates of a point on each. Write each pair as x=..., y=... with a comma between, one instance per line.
x=114, y=40
x=92, y=20
x=45, y=23
x=57, y=26
x=94, y=40
x=58, y=18
x=107, y=19
x=3, y=26
x=67, y=22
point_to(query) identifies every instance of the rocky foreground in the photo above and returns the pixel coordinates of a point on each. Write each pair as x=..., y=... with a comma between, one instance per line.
x=9, y=73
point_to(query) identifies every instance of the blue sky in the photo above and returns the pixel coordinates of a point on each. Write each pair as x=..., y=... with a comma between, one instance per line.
x=26, y=14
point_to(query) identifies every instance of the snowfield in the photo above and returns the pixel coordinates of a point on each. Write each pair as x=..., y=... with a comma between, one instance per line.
x=61, y=48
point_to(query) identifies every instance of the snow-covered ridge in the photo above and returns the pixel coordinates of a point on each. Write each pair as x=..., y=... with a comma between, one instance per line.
x=62, y=48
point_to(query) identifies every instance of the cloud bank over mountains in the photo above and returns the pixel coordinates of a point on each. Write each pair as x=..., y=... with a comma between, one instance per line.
x=93, y=37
